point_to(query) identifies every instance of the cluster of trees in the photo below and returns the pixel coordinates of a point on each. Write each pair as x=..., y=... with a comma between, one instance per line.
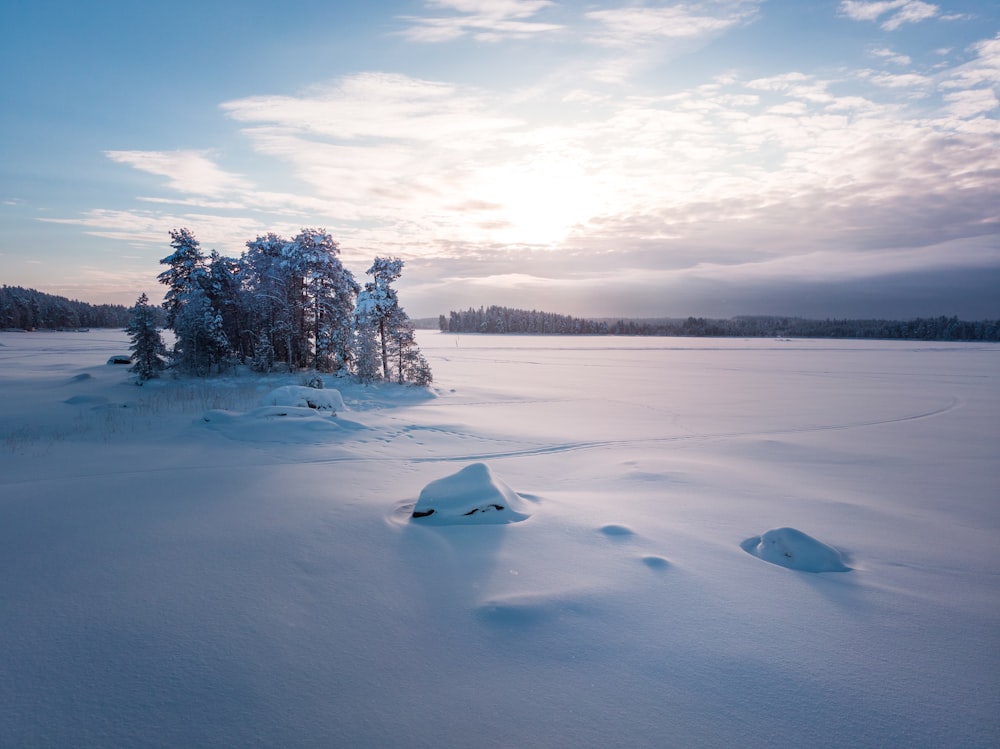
x=496, y=319
x=507, y=320
x=283, y=303
x=27, y=309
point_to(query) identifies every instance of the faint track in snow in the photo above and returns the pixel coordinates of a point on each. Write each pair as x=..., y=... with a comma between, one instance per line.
x=599, y=444
x=527, y=452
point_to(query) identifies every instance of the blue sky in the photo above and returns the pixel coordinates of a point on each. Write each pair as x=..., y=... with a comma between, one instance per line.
x=822, y=158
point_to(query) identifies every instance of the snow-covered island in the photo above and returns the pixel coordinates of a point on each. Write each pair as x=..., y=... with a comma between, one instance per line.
x=716, y=543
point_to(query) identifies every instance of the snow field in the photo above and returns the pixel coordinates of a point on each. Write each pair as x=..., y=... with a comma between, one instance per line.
x=257, y=579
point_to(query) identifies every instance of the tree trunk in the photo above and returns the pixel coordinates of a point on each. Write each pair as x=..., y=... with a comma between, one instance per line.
x=385, y=350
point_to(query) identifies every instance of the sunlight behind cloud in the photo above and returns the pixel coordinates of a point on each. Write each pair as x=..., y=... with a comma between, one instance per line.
x=620, y=130
x=537, y=203
x=786, y=157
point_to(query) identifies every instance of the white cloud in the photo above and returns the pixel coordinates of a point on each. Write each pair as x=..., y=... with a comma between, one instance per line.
x=972, y=102
x=897, y=12
x=911, y=12
x=188, y=171
x=377, y=105
x=796, y=85
x=898, y=80
x=625, y=27
x=152, y=228
x=982, y=70
x=893, y=57
x=484, y=20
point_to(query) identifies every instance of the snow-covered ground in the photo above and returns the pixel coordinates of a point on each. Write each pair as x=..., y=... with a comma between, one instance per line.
x=210, y=563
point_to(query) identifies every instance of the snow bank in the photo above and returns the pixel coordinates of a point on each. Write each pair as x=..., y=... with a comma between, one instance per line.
x=305, y=397
x=83, y=400
x=471, y=496
x=796, y=550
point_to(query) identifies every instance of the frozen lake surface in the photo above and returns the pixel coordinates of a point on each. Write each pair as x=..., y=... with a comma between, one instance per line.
x=718, y=542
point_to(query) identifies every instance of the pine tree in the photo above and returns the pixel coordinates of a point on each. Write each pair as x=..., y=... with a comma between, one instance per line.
x=384, y=302
x=367, y=347
x=273, y=296
x=263, y=356
x=328, y=306
x=410, y=364
x=186, y=263
x=225, y=292
x=386, y=321
x=201, y=341
x=148, y=351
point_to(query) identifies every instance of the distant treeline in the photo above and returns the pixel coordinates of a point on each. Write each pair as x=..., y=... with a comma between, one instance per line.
x=28, y=309
x=509, y=320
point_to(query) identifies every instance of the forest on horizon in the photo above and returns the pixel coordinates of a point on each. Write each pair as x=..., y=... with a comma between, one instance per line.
x=29, y=309
x=508, y=320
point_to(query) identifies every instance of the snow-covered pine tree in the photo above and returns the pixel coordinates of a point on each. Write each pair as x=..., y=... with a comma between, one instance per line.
x=263, y=354
x=148, y=351
x=225, y=294
x=410, y=364
x=392, y=326
x=186, y=262
x=383, y=301
x=274, y=297
x=367, y=346
x=201, y=345
x=330, y=291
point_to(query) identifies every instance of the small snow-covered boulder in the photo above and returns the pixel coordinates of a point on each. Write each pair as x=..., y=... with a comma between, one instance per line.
x=796, y=550
x=473, y=496
x=120, y=359
x=298, y=396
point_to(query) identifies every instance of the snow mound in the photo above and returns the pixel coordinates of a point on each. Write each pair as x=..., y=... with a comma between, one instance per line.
x=788, y=547
x=655, y=562
x=120, y=359
x=617, y=531
x=288, y=424
x=82, y=377
x=473, y=496
x=305, y=397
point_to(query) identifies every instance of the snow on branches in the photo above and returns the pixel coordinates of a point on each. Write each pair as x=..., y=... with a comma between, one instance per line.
x=288, y=303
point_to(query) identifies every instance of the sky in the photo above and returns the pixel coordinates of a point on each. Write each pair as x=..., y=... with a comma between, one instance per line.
x=714, y=158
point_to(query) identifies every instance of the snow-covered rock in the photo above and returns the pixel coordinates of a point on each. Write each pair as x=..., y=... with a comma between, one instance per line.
x=305, y=397
x=472, y=496
x=796, y=550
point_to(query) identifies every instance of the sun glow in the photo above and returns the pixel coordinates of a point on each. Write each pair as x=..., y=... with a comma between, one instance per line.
x=534, y=203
